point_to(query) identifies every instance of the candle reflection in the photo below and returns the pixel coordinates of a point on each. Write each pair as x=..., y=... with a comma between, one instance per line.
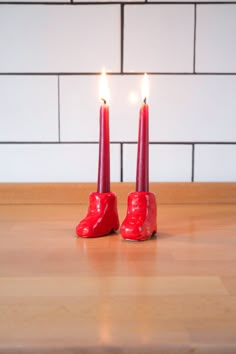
x=133, y=97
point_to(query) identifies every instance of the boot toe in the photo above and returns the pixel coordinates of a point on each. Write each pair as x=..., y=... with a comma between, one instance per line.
x=85, y=228
x=130, y=232
x=139, y=231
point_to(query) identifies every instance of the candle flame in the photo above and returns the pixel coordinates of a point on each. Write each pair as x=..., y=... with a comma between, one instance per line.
x=145, y=88
x=103, y=87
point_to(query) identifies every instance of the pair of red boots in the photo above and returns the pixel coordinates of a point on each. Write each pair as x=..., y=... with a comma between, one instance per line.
x=102, y=218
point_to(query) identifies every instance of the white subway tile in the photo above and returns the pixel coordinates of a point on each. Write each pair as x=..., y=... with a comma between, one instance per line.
x=216, y=38
x=193, y=108
x=159, y=38
x=167, y=163
x=59, y=38
x=182, y=108
x=28, y=108
x=54, y=163
x=215, y=163
x=79, y=108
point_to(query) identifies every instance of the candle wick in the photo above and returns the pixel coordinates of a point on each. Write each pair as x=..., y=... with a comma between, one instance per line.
x=104, y=101
x=145, y=100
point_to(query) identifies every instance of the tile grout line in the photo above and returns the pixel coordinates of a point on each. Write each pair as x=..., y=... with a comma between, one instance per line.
x=117, y=73
x=119, y=142
x=91, y=3
x=194, y=38
x=59, y=109
x=121, y=162
x=193, y=162
x=122, y=38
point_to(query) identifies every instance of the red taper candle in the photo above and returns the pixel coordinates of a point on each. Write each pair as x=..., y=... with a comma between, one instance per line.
x=142, y=172
x=103, y=185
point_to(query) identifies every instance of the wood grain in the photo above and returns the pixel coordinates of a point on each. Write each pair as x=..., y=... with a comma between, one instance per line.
x=77, y=193
x=173, y=294
x=118, y=286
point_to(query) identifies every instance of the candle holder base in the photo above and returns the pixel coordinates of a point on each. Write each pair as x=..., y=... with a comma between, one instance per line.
x=140, y=222
x=102, y=217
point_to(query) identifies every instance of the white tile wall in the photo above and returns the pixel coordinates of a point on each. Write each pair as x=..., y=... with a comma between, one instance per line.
x=54, y=163
x=155, y=34
x=182, y=108
x=59, y=38
x=28, y=108
x=216, y=38
x=215, y=163
x=62, y=47
x=167, y=163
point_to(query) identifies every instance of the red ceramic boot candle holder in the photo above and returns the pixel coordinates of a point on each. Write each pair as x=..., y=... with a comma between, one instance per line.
x=140, y=222
x=102, y=217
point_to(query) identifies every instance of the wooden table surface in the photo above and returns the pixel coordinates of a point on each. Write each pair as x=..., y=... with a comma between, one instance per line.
x=173, y=294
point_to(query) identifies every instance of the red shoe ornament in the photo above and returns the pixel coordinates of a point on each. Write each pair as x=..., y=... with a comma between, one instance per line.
x=141, y=220
x=102, y=217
